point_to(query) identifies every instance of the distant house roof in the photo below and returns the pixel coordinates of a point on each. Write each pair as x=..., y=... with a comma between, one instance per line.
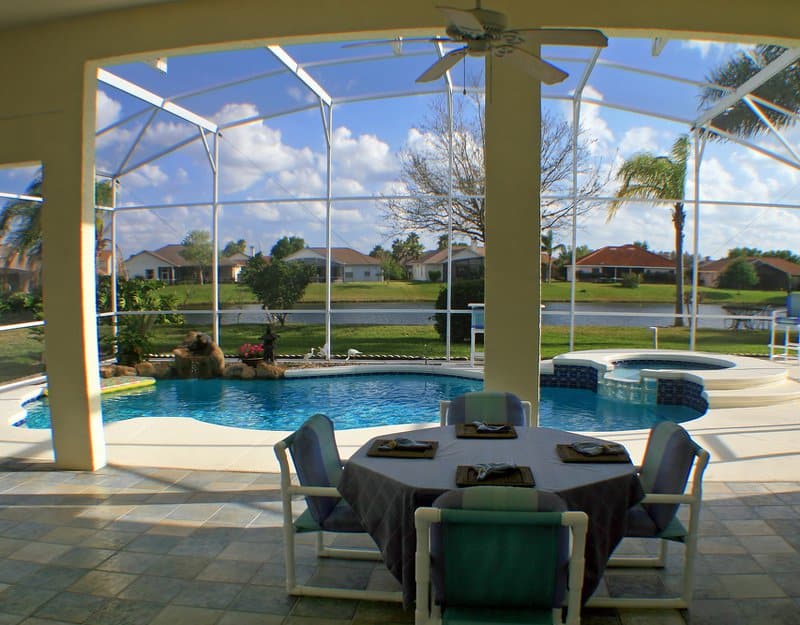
x=625, y=256
x=171, y=255
x=339, y=255
x=460, y=252
x=780, y=264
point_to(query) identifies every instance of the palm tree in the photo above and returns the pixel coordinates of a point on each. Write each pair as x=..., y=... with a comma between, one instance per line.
x=782, y=89
x=21, y=222
x=648, y=177
x=549, y=249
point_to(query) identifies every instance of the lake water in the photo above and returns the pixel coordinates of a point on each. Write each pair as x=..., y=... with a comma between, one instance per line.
x=400, y=313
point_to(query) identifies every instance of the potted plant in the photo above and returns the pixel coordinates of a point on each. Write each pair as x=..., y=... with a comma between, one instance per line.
x=251, y=353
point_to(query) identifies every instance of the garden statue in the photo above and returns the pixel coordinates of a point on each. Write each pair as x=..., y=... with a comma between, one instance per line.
x=269, y=339
x=198, y=357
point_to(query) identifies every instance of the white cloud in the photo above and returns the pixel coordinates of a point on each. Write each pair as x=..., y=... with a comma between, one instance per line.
x=598, y=133
x=365, y=154
x=249, y=153
x=713, y=49
x=149, y=175
x=107, y=110
x=638, y=139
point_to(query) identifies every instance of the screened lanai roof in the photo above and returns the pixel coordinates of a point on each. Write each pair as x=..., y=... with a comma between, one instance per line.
x=626, y=77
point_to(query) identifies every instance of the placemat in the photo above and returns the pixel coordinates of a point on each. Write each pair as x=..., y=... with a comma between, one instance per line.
x=374, y=452
x=470, y=430
x=568, y=454
x=521, y=476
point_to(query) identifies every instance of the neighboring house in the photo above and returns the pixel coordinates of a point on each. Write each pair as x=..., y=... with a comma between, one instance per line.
x=467, y=263
x=347, y=265
x=614, y=261
x=167, y=264
x=773, y=273
x=18, y=273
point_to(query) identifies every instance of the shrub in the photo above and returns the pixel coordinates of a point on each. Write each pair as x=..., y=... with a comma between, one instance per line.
x=631, y=280
x=434, y=276
x=464, y=292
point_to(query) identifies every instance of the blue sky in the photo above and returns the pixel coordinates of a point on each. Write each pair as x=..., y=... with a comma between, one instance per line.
x=284, y=156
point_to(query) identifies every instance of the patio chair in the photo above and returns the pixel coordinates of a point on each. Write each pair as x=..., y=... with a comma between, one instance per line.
x=788, y=323
x=486, y=406
x=319, y=467
x=669, y=458
x=499, y=554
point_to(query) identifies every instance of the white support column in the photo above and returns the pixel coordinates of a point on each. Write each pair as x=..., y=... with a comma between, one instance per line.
x=449, y=316
x=215, y=237
x=576, y=125
x=328, y=128
x=114, y=262
x=513, y=290
x=699, y=148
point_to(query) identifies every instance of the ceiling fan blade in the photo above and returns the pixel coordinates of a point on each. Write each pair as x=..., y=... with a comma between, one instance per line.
x=564, y=37
x=438, y=69
x=536, y=67
x=463, y=20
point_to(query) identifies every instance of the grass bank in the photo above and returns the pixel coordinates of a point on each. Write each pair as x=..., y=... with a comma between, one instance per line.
x=21, y=350
x=236, y=295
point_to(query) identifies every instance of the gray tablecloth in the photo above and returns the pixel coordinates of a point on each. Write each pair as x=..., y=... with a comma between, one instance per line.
x=384, y=492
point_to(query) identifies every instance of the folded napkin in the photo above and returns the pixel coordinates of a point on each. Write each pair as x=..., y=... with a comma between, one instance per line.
x=492, y=468
x=480, y=426
x=404, y=444
x=588, y=448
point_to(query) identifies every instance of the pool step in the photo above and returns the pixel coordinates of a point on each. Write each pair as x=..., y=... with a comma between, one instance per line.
x=782, y=392
x=745, y=378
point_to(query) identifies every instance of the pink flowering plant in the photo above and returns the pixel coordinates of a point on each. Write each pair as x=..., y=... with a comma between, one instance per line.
x=251, y=350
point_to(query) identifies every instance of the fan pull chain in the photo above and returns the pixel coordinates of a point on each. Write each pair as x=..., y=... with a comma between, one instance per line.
x=464, y=84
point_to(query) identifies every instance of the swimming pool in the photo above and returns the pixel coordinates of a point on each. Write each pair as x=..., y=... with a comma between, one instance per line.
x=354, y=401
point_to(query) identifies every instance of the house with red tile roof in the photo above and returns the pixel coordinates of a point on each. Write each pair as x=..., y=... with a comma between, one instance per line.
x=773, y=273
x=612, y=262
x=347, y=264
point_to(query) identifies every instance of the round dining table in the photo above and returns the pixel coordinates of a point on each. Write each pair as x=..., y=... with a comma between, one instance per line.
x=384, y=492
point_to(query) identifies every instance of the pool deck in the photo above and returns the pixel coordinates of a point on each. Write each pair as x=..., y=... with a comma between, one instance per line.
x=746, y=443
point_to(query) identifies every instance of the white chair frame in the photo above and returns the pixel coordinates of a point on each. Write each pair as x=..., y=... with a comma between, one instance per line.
x=444, y=407
x=427, y=613
x=290, y=490
x=693, y=499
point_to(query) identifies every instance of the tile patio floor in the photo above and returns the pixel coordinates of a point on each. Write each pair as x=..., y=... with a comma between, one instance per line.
x=139, y=546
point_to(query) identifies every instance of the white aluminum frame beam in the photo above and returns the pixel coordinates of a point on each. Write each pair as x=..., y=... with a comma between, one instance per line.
x=304, y=77
x=753, y=83
x=154, y=99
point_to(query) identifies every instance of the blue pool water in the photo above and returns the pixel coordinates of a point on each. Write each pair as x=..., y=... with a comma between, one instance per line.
x=353, y=402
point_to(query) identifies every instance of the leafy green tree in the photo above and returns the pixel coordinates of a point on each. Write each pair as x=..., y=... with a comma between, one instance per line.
x=441, y=243
x=550, y=248
x=564, y=260
x=389, y=267
x=276, y=284
x=754, y=252
x=234, y=247
x=739, y=274
x=648, y=177
x=464, y=292
x=197, y=249
x=641, y=244
x=133, y=341
x=408, y=249
x=285, y=246
x=782, y=89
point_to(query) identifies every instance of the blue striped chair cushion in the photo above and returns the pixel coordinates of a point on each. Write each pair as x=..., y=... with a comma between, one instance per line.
x=503, y=555
x=667, y=462
x=486, y=406
x=316, y=459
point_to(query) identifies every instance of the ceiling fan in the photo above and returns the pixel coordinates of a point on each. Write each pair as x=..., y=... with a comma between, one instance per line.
x=484, y=32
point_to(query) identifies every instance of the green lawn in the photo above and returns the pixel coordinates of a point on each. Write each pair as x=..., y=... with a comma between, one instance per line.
x=234, y=295
x=20, y=350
